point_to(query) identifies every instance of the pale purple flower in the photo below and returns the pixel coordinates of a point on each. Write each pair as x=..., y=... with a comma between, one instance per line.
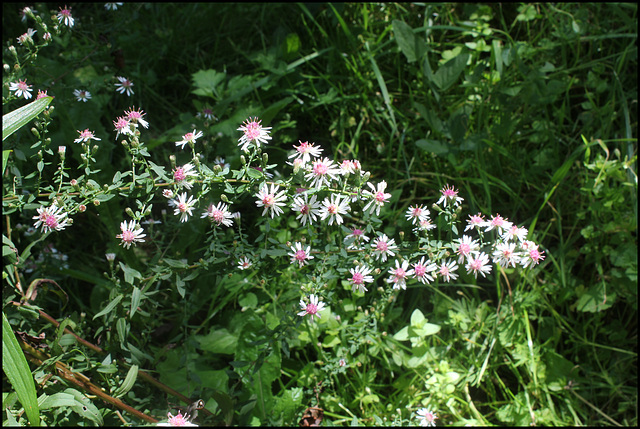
x=136, y=116
x=183, y=207
x=426, y=417
x=21, y=89
x=322, y=172
x=359, y=276
x=422, y=270
x=449, y=196
x=417, y=214
x=253, y=133
x=181, y=175
x=306, y=208
x=300, y=255
x=130, y=234
x=123, y=126
x=378, y=197
x=498, y=223
x=505, y=254
x=219, y=214
x=466, y=246
x=313, y=308
x=333, y=208
x=446, y=270
x=85, y=136
x=189, y=138
x=305, y=151
x=52, y=218
x=515, y=232
x=271, y=200
x=178, y=420
x=479, y=264
x=383, y=247
x=532, y=256
x=399, y=274
x=356, y=239
x=475, y=221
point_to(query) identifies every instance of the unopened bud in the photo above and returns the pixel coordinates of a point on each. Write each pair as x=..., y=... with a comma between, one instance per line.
x=35, y=133
x=243, y=160
x=401, y=234
x=96, y=203
x=196, y=162
x=265, y=158
x=94, y=149
x=62, y=151
x=217, y=168
x=82, y=208
x=129, y=211
x=224, y=198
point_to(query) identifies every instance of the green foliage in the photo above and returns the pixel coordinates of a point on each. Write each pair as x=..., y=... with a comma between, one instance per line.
x=529, y=109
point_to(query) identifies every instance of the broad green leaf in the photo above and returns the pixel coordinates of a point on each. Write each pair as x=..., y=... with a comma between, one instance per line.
x=136, y=296
x=406, y=39
x=13, y=121
x=417, y=319
x=449, y=72
x=14, y=365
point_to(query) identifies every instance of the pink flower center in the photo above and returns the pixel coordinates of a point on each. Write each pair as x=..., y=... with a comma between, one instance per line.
x=182, y=207
x=65, y=12
x=357, y=232
x=268, y=200
x=357, y=278
x=127, y=236
x=382, y=246
x=449, y=193
x=300, y=255
x=312, y=309
x=253, y=131
x=464, y=249
x=179, y=174
x=217, y=216
x=380, y=197
x=333, y=209
x=51, y=221
x=188, y=136
x=400, y=273
x=535, y=255
x=475, y=264
x=444, y=270
x=416, y=212
x=304, y=147
x=304, y=209
x=420, y=270
x=319, y=169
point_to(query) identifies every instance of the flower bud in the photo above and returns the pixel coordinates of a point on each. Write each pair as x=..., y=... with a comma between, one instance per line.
x=217, y=169
x=129, y=211
x=96, y=203
x=35, y=132
x=94, y=149
x=224, y=198
x=243, y=160
x=82, y=208
x=265, y=158
x=61, y=151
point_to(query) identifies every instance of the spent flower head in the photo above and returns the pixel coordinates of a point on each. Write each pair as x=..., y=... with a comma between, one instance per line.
x=65, y=16
x=125, y=86
x=82, y=95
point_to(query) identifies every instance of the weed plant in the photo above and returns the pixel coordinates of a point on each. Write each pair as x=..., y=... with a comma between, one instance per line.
x=336, y=214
